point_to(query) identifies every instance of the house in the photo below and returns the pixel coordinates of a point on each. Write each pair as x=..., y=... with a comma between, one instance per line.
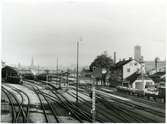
x=123, y=69
x=127, y=67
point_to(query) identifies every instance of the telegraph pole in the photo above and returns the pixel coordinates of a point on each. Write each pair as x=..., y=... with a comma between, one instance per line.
x=57, y=66
x=57, y=69
x=77, y=81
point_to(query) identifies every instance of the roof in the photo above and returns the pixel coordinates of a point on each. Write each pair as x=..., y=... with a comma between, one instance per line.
x=25, y=71
x=9, y=67
x=137, y=76
x=145, y=77
x=121, y=63
x=21, y=71
x=158, y=74
x=132, y=77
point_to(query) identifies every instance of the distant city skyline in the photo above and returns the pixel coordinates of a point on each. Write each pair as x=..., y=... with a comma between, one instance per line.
x=48, y=29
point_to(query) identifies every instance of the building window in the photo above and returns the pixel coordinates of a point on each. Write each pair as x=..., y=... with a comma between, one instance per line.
x=128, y=70
x=135, y=64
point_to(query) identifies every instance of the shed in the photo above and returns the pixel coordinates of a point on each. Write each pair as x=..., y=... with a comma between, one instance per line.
x=142, y=83
x=136, y=81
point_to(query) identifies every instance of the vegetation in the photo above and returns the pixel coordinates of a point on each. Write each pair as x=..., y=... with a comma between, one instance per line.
x=102, y=61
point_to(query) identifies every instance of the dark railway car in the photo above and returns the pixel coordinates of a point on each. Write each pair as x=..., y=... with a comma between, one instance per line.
x=44, y=77
x=27, y=74
x=11, y=75
x=162, y=91
x=14, y=75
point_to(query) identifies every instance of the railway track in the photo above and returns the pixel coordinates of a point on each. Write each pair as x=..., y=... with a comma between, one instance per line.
x=107, y=111
x=112, y=115
x=127, y=115
x=63, y=102
x=11, y=104
x=43, y=105
x=17, y=106
x=138, y=106
x=139, y=99
x=127, y=109
x=72, y=108
x=49, y=104
x=22, y=94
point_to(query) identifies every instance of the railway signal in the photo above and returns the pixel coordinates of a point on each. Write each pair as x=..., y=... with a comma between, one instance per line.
x=97, y=72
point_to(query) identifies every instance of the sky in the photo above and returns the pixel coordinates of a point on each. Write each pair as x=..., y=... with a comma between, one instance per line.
x=47, y=29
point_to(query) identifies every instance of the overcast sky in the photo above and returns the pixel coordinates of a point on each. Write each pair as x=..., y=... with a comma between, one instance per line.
x=45, y=29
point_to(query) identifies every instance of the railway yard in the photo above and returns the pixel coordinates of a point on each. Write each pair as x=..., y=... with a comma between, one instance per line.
x=42, y=101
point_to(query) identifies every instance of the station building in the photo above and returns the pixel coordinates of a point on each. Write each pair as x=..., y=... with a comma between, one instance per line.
x=122, y=70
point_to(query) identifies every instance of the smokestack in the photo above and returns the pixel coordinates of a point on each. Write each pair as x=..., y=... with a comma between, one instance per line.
x=115, y=57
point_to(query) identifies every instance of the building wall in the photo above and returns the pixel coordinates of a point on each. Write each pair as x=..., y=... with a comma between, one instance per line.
x=130, y=68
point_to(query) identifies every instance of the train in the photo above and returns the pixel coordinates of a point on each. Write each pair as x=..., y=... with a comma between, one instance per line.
x=16, y=76
x=159, y=93
x=43, y=77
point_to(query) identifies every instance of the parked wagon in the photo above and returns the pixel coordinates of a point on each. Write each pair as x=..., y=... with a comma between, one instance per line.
x=44, y=77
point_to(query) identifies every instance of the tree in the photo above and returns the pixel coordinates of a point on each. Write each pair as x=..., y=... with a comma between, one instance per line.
x=102, y=61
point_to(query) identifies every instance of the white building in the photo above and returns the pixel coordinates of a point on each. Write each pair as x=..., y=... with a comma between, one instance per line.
x=130, y=68
x=124, y=69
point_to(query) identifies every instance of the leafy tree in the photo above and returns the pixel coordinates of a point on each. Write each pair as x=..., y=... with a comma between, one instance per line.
x=102, y=61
